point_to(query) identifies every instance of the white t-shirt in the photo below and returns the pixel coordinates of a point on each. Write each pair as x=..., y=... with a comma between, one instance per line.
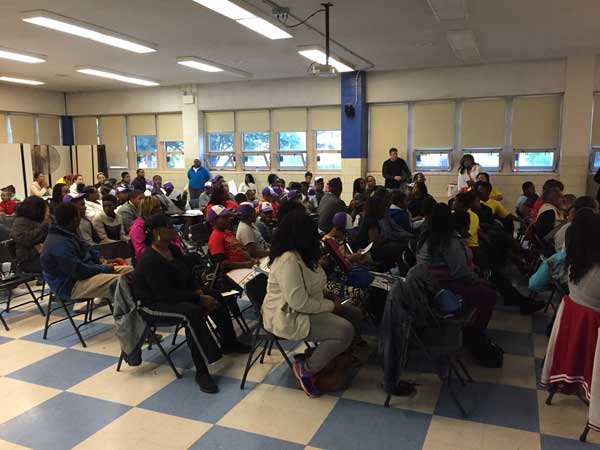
x=247, y=234
x=463, y=178
x=245, y=187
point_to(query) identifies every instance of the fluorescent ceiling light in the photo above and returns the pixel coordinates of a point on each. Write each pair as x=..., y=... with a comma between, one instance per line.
x=21, y=81
x=447, y=10
x=17, y=55
x=245, y=18
x=104, y=73
x=319, y=56
x=208, y=66
x=267, y=29
x=85, y=30
x=226, y=8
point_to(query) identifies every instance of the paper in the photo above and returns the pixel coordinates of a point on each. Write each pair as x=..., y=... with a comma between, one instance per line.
x=367, y=249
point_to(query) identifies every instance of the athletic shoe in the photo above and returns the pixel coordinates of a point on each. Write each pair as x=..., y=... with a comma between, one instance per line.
x=306, y=379
x=236, y=347
x=206, y=383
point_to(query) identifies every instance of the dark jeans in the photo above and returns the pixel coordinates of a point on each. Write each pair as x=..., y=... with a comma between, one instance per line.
x=31, y=266
x=194, y=196
x=198, y=336
x=477, y=296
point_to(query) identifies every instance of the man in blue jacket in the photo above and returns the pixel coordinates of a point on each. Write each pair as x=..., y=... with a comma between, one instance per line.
x=71, y=267
x=197, y=176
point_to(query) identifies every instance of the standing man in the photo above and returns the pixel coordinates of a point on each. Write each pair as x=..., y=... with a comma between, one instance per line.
x=197, y=176
x=395, y=171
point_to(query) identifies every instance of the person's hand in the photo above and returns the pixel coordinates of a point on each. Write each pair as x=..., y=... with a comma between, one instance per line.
x=338, y=308
x=110, y=269
x=209, y=303
x=398, y=178
x=356, y=257
x=252, y=263
x=39, y=247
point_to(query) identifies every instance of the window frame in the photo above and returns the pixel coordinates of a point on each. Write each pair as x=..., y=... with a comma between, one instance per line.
x=146, y=152
x=536, y=169
x=422, y=151
x=330, y=152
x=166, y=153
x=266, y=154
x=230, y=153
x=487, y=150
x=302, y=153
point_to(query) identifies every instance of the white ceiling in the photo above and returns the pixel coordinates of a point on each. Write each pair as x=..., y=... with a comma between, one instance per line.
x=393, y=34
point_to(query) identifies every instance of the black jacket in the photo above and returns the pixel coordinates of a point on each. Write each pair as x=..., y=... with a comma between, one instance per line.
x=27, y=233
x=139, y=183
x=393, y=169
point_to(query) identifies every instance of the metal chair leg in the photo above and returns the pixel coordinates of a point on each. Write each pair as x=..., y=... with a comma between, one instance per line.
x=583, y=437
x=464, y=369
x=8, y=301
x=250, y=355
x=4, y=322
x=35, y=299
x=165, y=354
x=283, y=353
x=387, y=401
x=550, y=396
x=120, y=361
x=72, y=323
x=47, y=325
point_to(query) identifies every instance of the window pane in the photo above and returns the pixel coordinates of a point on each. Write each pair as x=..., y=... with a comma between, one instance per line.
x=255, y=142
x=432, y=161
x=292, y=161
x=146, y=161
x=221, y=161
x=174, y=146
x=329, y=161
x=597, y=160
x=534, y=160
x=292, y=140
x=175, y=161
x=489, y=160
x=220, y=142
x=261, y=161
x=329, y=140
x=145, y=143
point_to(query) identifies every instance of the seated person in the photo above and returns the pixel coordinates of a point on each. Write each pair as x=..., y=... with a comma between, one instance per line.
x=550, y=215
x=496, y=194
x=122, y=194
x=164, y=282
x=179, y=199
x=39, y=187
x=86, y=230
x=335, y=241
x=398, y=211
x=29, y=232
x=270, y=196
x=498, y=210
x=240, y=198
x=418, y=195
x=442, y=249
x=297, y=307
x=265, y=221
x=108, y=223
x=550, y=269
x=309, y=201
x=549, y=184
x=465, y=202
x=331, y=204
x=129, y=211
x=71, y=267
x=166, y=203
x=583, y=259
x=93, y=206
x=220, y=196
x=526, y=201
x=204, y=198
x=251, y=197
x=7, y=204
x=587, y=201
x=247, y=232
x=222, y=244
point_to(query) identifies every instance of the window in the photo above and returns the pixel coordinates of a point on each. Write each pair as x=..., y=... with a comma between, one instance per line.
x=437, y=160
x=255, y=146
x=174, y=154
x=221, y=151
x=292, y=150
x=490, y=159
x=328, y=144
x=543, y=160
x=595, y=159
x=145, y=151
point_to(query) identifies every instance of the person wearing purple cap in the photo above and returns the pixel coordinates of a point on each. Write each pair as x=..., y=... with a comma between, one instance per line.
x=122, y=194
x=204, y=198
x=197, y=177
x=270, y=196
x=178, y=198
x=264, y=224
x=222, y=244
x=248, y=234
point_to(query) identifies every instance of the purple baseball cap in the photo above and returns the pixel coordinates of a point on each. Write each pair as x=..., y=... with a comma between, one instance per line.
x=293, y=194
x=245, y=209
x=70, y=197
x=218, y=211
x=342, y=220
x=217, y=178
x=266, y=207
x=120, y=189
x=168, y=185
x=268, y=191
x=208, y=184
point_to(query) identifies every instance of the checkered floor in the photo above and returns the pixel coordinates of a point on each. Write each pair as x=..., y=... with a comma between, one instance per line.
x=54, y=394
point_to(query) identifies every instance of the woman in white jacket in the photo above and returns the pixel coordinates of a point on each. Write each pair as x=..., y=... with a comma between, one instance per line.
x=467, y=173
x=297, y=307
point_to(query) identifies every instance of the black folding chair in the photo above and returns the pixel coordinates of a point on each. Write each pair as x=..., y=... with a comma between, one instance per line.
x=256, y=289
x=113, y=250
x=14, y=277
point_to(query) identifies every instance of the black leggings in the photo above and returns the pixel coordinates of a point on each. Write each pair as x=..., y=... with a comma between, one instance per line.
x=198, y=336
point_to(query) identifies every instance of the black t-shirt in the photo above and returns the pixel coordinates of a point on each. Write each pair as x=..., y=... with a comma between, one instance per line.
x=485, y=214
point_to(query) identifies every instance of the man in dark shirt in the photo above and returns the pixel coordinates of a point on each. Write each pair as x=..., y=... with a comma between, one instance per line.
x=395, y=171
x=331, y=204
x=139, y=182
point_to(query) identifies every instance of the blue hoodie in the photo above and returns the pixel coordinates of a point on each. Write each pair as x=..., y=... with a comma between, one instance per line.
x=66, y=259
x=198, y=177
x=401, y=217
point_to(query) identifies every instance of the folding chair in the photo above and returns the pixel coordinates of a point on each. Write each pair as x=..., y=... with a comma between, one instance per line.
x=256, y=289
x=13, y=278
x=113, y=250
